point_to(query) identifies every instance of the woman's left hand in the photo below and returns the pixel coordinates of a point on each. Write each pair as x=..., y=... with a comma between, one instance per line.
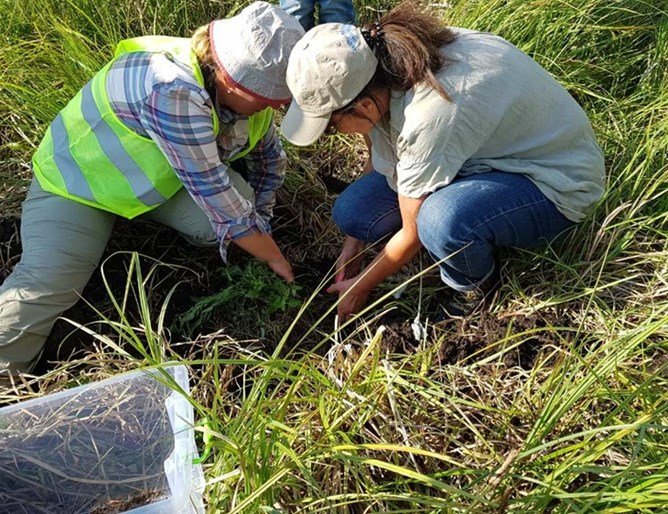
x=352, y=298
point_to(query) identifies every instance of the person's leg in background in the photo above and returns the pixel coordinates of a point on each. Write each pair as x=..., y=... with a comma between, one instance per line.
x=336, y=11
x=62, y=243
x=302, y=10
x=463, y=224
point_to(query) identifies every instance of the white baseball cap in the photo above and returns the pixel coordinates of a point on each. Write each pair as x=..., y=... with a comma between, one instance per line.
x=253, y=48
x=327, y=69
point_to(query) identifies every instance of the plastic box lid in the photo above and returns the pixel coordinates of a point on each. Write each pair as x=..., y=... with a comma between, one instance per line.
x=125, y=444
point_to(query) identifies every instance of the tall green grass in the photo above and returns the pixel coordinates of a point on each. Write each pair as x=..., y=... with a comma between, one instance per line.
x=363, y=429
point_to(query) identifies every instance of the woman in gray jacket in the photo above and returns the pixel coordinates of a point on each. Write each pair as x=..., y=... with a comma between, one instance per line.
x=474, y=146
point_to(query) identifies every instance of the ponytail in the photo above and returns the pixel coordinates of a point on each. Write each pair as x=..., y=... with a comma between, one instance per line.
x=407, y=42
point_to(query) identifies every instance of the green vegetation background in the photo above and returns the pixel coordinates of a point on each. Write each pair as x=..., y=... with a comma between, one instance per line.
x=371, y=429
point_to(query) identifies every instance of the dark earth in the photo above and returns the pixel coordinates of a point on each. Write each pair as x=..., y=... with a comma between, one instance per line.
x=465, y=338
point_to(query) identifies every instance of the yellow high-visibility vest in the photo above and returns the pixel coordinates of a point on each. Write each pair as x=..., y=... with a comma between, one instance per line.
x=89, y=155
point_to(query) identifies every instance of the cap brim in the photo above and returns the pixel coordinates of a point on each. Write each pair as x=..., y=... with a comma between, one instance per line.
x=301, y=129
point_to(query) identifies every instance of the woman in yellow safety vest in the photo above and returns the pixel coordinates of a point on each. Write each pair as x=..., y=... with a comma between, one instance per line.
x=152, y=136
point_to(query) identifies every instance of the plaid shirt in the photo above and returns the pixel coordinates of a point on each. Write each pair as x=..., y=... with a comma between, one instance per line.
x=159, y=97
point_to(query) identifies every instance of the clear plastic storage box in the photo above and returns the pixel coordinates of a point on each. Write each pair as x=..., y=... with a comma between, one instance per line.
x=125, y=444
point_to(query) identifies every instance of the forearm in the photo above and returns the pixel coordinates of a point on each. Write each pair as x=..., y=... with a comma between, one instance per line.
x=263, y=247
x=399, y=250
x=260, y=245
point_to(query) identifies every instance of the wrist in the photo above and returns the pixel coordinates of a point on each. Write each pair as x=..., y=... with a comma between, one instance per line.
x=362, y=284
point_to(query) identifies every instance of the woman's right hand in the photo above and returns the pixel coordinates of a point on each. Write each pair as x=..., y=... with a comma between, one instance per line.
x=349, y=262
x=282, y=268
x=264, y=247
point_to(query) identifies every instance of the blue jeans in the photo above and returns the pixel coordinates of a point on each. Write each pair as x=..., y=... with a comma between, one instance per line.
x=461, y=225
x=331, y=11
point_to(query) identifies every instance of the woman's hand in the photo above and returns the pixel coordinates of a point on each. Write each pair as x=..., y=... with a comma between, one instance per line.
x=349, y=262
x=401, y=248
x=352, y=298
x=264, y=247
x=282, y=268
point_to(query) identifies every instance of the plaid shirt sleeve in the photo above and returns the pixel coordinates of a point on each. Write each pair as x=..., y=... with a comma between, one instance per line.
x=177, y=116
x=266, y=164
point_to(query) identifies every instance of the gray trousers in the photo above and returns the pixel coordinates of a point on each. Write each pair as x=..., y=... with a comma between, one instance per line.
x=63, y=242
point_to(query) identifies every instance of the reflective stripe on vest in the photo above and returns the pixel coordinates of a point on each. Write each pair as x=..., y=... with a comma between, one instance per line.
x=90, y=156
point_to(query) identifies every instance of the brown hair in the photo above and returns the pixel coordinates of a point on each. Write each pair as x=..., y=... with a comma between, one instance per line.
x=407, y=42
x=201, y=46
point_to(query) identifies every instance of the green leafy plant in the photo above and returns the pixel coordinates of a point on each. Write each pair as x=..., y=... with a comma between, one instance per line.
x=250, y=290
